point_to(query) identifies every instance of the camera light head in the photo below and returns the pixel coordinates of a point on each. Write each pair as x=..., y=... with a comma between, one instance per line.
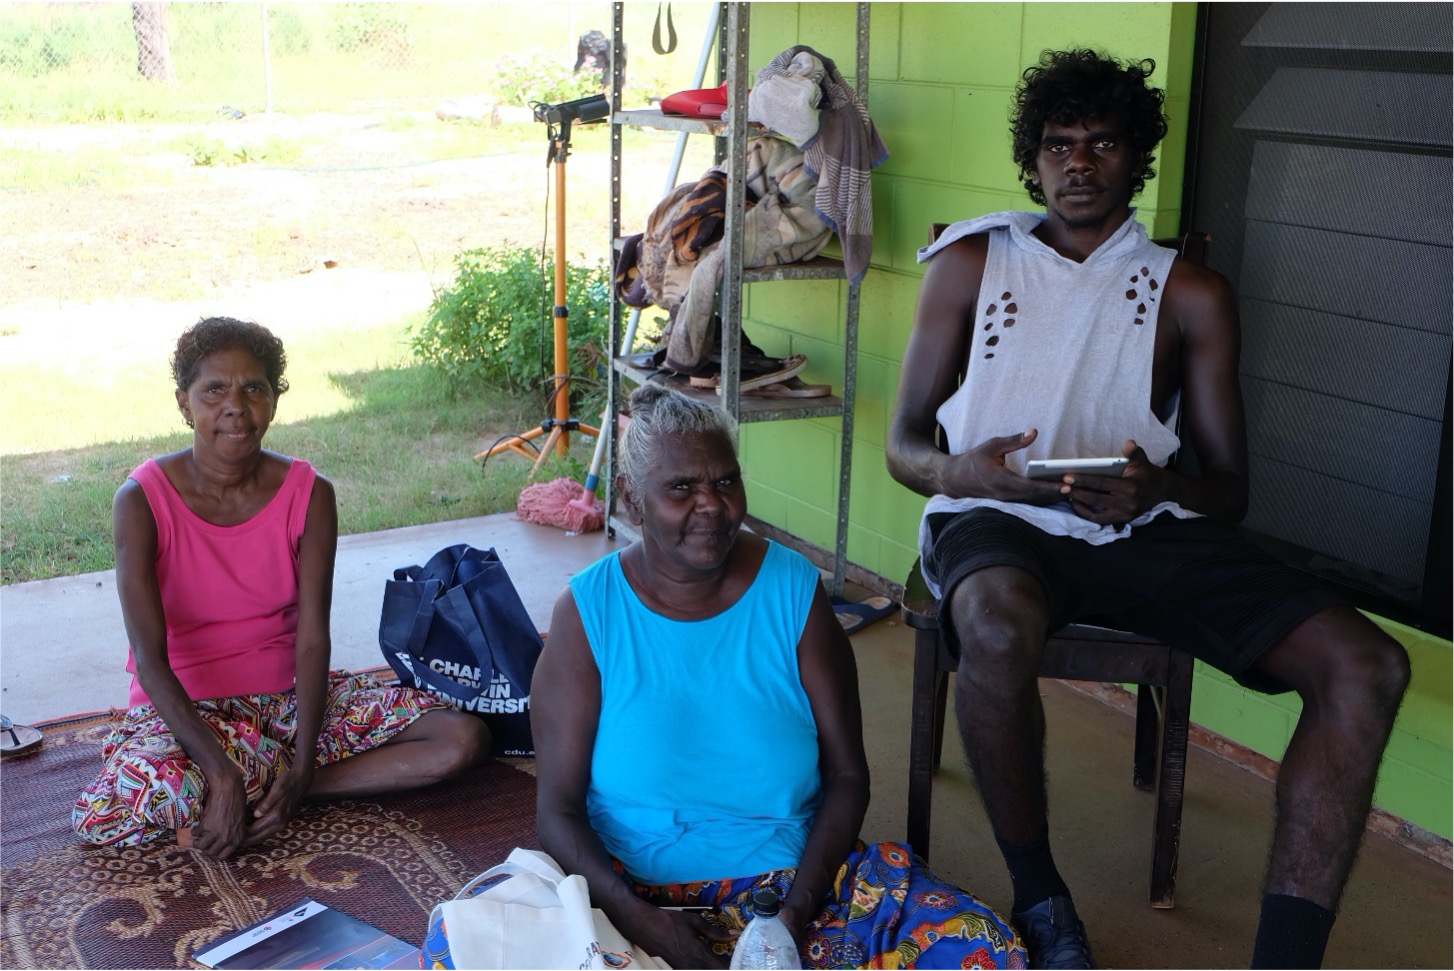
x=582, y=110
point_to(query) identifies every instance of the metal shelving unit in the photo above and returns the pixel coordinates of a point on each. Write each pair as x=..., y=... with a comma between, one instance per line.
x=731, y=134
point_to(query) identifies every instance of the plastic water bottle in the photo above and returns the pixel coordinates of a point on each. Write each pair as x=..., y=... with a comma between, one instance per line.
x=765, y=942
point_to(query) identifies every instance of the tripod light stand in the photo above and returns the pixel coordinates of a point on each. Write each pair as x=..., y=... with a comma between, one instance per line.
x=557, y=427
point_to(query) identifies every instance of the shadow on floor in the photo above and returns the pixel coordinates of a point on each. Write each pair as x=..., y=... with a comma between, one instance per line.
x=1396, y=912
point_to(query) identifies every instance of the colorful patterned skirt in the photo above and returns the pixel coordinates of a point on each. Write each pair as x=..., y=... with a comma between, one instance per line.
x=886, y=909
x=149, y=787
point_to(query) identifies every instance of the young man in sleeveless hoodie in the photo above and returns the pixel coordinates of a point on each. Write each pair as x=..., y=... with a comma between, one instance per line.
x=1071, y=335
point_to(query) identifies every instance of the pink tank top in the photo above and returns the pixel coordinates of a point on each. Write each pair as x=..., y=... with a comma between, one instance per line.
x=230, y=593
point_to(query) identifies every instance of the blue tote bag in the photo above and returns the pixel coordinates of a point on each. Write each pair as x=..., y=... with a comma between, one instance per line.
x=456, y=627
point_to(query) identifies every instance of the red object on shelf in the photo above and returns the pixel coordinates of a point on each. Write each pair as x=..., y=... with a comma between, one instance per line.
x=697, y=102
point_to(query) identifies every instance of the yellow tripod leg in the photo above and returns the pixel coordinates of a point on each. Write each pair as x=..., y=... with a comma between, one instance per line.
x=515, y=444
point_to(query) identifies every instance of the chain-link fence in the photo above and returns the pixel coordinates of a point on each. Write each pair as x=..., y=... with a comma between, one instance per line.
x=137, y=61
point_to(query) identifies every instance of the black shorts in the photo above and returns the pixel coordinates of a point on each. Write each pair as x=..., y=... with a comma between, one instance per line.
x=1199, y=584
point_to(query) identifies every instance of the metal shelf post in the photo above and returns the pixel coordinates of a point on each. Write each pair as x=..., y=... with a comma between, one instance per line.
x=731, y=135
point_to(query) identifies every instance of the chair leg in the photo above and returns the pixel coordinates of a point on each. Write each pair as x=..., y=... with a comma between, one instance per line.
x=1171, y=780
x=927, y=691
x=1148, y=735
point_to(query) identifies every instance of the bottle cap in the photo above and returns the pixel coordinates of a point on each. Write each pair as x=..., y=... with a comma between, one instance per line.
x=765, y=903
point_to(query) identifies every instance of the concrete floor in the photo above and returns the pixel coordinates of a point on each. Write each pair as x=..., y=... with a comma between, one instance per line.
x=62, y=650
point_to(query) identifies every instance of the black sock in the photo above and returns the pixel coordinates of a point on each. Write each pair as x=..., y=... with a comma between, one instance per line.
x=1033, y=872
x=1291, y=933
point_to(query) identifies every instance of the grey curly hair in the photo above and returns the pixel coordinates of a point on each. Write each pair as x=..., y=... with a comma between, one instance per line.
x=657, y=412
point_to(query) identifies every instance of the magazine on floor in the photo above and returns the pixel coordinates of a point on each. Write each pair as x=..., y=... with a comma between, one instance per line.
x=309, y=935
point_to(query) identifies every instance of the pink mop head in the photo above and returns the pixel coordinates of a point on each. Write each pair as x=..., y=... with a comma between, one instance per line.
x=551, y=504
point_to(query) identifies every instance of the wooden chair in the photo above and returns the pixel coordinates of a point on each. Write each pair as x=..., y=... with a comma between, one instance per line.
x=1080, y=652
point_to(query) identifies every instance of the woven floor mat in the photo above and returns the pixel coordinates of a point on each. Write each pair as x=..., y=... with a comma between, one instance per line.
x=386, y=859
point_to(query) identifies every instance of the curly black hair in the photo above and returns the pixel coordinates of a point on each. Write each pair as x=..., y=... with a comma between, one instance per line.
x=1080, y=85
x=212, y=334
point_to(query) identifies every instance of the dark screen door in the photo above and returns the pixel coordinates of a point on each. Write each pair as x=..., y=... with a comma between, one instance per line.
x=1320, y=164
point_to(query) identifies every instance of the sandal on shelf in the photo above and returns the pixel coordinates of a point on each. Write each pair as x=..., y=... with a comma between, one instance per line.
x=794, y=387
x=790, y=366
x=646, y=360
x=18, y=739
x=653, y=367
x=708, y=373
x=757, y=373
x=855, y=615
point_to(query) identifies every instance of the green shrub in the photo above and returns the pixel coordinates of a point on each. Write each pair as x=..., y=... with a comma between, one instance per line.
x=373, y=27
x=31, y=54
x=287, y=33
x=37, y=39
x=523, y=78
x=210, y=152
x=492, y=327
x=205, y=151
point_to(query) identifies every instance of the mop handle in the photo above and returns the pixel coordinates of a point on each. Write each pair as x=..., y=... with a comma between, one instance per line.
x=593, y=477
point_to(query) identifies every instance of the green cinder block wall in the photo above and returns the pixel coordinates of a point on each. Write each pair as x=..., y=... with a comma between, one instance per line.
x=941, y=76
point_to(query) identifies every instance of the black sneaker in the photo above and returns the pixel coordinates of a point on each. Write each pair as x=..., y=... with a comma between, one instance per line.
x=1054, y=935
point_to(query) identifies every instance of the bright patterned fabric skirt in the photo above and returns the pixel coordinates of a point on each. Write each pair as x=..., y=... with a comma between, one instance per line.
x=149, y=787
x=886, y=909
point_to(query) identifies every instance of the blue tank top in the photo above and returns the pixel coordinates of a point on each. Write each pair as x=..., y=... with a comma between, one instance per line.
x=706, y=757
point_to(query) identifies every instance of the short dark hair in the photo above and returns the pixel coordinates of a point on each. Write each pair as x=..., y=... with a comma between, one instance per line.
x=212, y=334
x=1071, y=86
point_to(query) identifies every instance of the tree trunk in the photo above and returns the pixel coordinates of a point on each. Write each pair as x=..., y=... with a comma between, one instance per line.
x=153, y=57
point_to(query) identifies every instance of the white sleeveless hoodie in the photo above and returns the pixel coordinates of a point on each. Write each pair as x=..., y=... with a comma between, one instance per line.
x=1063, y=347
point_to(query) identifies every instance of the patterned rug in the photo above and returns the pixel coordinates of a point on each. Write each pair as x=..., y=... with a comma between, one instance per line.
x=386, y=860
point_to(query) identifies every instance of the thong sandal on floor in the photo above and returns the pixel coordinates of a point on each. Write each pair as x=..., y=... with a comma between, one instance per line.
x=855, y=615
x=18, y=739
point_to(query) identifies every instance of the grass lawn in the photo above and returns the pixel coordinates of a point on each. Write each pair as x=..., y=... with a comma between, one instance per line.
x=397, y=445
x=130, y=232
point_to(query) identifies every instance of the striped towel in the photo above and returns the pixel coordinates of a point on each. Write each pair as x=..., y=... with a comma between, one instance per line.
x=846, y=148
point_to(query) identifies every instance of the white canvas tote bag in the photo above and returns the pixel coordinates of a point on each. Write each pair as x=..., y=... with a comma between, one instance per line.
x=537, y=918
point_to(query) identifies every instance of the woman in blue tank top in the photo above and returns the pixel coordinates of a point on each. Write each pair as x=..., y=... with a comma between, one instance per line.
x=698, y=733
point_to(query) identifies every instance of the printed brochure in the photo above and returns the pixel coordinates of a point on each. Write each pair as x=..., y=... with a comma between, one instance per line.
x=309, y=935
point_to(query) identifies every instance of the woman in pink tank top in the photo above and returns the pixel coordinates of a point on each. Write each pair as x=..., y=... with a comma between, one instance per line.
x=224, y=567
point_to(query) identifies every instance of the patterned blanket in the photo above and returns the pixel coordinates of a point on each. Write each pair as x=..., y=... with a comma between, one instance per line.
x=678, y=261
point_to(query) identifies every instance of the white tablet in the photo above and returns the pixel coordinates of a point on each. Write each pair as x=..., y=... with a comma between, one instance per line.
x=1055, y=468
